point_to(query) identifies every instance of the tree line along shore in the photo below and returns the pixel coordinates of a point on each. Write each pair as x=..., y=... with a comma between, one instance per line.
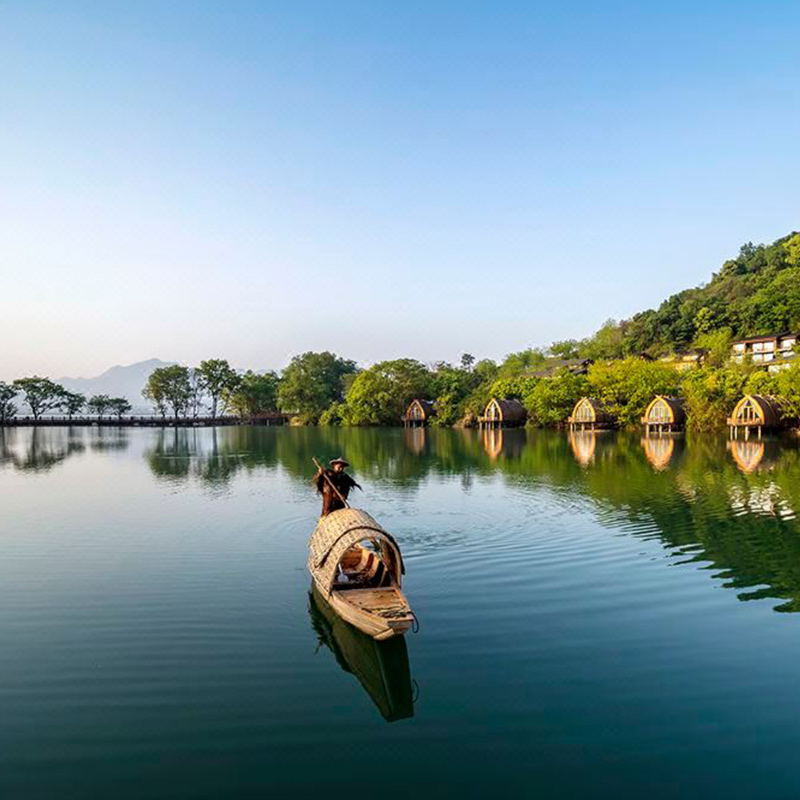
x=325, y=389
x=686, y=348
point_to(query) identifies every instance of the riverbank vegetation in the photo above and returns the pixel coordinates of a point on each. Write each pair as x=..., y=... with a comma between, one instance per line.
x=623, y=365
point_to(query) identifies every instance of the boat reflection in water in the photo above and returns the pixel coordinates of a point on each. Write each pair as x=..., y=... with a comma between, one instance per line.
x=382, y=668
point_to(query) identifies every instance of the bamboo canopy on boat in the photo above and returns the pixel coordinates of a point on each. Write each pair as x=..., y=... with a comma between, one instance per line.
x=336, y=533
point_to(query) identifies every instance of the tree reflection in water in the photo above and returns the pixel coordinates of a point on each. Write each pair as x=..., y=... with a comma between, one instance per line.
x=39, y=449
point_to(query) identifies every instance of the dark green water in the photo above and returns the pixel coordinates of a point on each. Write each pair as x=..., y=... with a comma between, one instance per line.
x=594, y=623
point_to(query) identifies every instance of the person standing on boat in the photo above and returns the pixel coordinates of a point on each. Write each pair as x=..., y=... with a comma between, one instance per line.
x=343, y=483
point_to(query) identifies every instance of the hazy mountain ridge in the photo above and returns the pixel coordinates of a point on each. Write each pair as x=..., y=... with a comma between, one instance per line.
x=119, y=381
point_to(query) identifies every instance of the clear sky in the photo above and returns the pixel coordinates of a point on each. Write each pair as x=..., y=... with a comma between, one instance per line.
x=251, y=180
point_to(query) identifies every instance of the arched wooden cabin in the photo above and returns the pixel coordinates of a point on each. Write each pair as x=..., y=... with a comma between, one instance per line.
x=419, y=413
x=758, y=413
x=589, y=415
x=503, y=414
x=664, y=415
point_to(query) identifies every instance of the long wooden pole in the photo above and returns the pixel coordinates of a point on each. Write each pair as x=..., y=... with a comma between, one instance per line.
x=330, y=482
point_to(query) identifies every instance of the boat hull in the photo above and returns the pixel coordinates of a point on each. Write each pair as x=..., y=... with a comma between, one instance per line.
x=373, y=624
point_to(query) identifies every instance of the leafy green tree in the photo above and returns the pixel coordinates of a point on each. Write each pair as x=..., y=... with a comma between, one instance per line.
x=71, y=403
x=718, y=345
x=551, y=400
x=169, y=387
x=312, y=382
x=7, y=408
x=41, y=394
x=99, y=404
x=380, y=394
x=253, y=394
x=787, y=387
x=711, y=393
x=626, y=387
x=197, y=393
x=467, y=360
x=217, y=377
x=119, y=406
x=606, y=343
x=567, y=349
x=515, y=364
x=450, y=387
x=332, y=415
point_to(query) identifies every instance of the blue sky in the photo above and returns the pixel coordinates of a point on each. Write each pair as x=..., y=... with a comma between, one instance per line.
x=252, y=180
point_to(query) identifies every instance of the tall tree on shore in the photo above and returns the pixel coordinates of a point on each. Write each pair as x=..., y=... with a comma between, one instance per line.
x=379, y=395
x=467, y=360
x=253, y=394
x=41, y=394
x=312, y=382
x=7, y=408
x=99, y=404
x=196, y=393
x=217, y=379
x=119, y=406
x=71, y=403
x=169, y=387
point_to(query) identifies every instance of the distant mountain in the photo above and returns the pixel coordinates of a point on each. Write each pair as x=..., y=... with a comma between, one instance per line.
x=119, y=381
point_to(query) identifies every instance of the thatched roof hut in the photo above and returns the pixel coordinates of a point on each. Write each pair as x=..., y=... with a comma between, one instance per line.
x=419, y=412
x=589, y=414
x=664, y=413
x=503, y=414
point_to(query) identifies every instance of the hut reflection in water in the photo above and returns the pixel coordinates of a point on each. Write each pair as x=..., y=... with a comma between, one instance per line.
x=415, y=438
x=659, y=450
x=583, y=444
x=382, y=668
x=752, y=455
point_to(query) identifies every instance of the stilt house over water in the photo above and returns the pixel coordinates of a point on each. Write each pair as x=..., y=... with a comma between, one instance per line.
x=664, y=415
x=589, y=415
x=419, y=413
x=756, y=412
x=503, y=414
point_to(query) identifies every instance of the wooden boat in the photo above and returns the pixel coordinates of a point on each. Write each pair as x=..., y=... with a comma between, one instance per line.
x=357, y=568
x=382, y=668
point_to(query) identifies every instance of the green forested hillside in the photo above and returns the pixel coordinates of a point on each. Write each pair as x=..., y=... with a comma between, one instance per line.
x=756, y=292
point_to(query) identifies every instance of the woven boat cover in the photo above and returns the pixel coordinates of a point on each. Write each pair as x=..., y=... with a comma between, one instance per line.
x=335, y=534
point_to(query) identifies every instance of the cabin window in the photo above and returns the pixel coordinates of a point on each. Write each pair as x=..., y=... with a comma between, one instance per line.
x=659, y=413
x=748, y=412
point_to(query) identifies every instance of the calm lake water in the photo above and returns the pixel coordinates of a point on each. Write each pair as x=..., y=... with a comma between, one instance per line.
x=600, y=616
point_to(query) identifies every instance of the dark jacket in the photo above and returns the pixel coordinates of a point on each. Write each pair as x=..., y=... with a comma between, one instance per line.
x=330, y=500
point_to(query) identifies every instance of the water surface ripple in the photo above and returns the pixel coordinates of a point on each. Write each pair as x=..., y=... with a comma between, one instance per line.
x=600, y=614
